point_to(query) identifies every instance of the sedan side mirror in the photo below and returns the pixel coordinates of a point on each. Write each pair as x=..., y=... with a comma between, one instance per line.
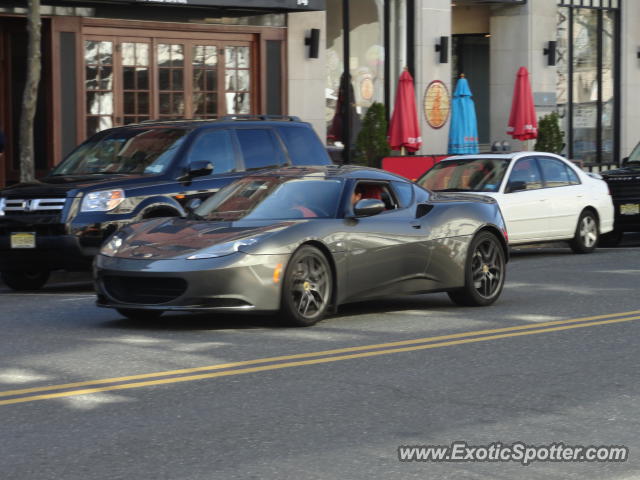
x=516, y=186
x=368, y=207
x=200, y=168
x=624, y=161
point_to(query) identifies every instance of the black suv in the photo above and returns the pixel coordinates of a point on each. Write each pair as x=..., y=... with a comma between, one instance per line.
x=135, y=172
x=624, y=185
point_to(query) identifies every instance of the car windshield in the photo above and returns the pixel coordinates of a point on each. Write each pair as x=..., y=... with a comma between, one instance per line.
x=634, y=158
x=124, y=151
x=273, y=198
x=466, y=175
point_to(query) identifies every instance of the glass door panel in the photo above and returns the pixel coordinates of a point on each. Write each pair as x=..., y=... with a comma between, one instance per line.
x=205, y=81
x=136, y=85
x=170, y=64
x=238, y=79
x=99, y=88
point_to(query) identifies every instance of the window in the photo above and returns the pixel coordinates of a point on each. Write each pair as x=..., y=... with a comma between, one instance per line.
x=554, y=172
x=303, y=149
x=217, y=147
x=526, y=170
x=259, y=148
x=133, y=78
x=404, y=193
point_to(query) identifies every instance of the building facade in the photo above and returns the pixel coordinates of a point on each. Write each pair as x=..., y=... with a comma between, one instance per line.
x=112, y=62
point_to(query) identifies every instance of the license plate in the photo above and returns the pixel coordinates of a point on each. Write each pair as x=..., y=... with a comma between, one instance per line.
x=630, y=209
x=23, y=240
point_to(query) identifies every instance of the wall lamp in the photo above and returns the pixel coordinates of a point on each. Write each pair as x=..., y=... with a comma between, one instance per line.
x=550, y=51
x=443, y=49
x=313, y=40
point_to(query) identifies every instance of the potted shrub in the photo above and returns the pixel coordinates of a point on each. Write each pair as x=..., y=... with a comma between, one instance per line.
x=550, y=137
x=371, y=143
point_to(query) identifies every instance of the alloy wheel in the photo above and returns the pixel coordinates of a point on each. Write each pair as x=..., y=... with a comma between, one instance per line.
x=486, y=268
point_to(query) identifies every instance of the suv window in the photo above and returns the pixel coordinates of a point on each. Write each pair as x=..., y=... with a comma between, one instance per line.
x=259, y=148
x=303, y=147
x=215, y=146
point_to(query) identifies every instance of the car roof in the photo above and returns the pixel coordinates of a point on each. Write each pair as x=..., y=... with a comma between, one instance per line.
x=228, y=120
x=507, y=156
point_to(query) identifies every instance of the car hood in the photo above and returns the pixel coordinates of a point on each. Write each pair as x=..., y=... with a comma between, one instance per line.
x=629, y=169
x=73, y=185
x=167, y=238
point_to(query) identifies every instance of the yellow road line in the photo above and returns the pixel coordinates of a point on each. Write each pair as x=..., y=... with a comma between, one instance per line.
x=316, y=361
x=311, y=354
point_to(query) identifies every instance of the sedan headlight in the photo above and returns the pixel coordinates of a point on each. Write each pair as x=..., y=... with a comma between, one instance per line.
x=223, y=249
x=102, y=201
x=112, y=246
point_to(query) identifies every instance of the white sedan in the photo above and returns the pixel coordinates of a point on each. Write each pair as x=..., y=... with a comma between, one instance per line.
x=543, y=197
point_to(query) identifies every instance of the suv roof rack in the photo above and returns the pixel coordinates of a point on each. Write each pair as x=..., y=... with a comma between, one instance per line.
x=285, y=118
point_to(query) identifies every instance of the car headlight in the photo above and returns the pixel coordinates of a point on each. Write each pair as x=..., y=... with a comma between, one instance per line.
x=102, y=201
x=112, y=246
x=223, y=249
x=3, y=204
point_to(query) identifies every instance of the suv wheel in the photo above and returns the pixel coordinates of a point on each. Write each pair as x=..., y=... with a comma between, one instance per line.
x=22, y=281
x=611, y=239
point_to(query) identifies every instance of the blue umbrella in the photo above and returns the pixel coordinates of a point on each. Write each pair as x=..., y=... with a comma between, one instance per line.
x=463, y=132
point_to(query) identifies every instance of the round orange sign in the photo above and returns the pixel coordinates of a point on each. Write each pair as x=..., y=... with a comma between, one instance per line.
x=437, y=104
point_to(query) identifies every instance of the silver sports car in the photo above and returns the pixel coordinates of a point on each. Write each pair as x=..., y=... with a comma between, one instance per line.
x=304, y=241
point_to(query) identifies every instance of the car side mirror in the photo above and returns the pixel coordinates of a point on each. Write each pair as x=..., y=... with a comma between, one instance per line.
x=368, y=207
x=624, y=161
x=200, y=168
x=516, y=186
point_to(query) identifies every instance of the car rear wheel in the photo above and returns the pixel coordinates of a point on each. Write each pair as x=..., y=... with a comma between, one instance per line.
x=139, y=314
x=484, y=272
x=306, y=290
x=22, y=281
x=586, y=237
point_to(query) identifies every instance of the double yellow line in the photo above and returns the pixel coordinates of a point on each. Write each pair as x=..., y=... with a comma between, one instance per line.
x=301, y=359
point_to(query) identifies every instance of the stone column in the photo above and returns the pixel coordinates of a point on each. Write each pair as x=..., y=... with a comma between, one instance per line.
x=630, y=81
x=519, y=34
x=306, y=76
x=432, y=21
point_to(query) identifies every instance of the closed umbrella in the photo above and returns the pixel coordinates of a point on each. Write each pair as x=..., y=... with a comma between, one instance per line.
x=404, y=130
x=523, y=122
x=463, y=132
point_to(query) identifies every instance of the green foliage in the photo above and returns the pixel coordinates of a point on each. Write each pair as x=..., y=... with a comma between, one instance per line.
x=550, y=137
x=372, y=142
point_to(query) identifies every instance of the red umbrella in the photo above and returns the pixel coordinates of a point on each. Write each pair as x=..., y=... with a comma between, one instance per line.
x=404, y=130
x=523, y=122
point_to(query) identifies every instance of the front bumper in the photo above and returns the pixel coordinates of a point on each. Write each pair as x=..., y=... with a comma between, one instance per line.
x=237, y=282
x=626, y=222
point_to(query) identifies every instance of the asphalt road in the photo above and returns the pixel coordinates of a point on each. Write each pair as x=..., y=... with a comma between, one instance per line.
x=85, y=394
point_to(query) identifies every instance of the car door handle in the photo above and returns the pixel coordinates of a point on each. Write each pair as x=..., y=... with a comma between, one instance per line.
x=416, y=225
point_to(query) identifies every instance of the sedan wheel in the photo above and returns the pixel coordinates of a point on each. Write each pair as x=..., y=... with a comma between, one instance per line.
x=587, y=233
x=307, y=287
x=484, y=272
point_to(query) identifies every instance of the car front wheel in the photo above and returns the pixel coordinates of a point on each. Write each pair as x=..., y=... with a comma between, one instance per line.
x=586, y=237
x=23, y=281
x=484, y=272
x=306, y=290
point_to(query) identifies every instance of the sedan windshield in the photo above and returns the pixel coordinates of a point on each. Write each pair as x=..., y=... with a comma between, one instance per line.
x=124, y=151
x=466, y=175
x=273, y=198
